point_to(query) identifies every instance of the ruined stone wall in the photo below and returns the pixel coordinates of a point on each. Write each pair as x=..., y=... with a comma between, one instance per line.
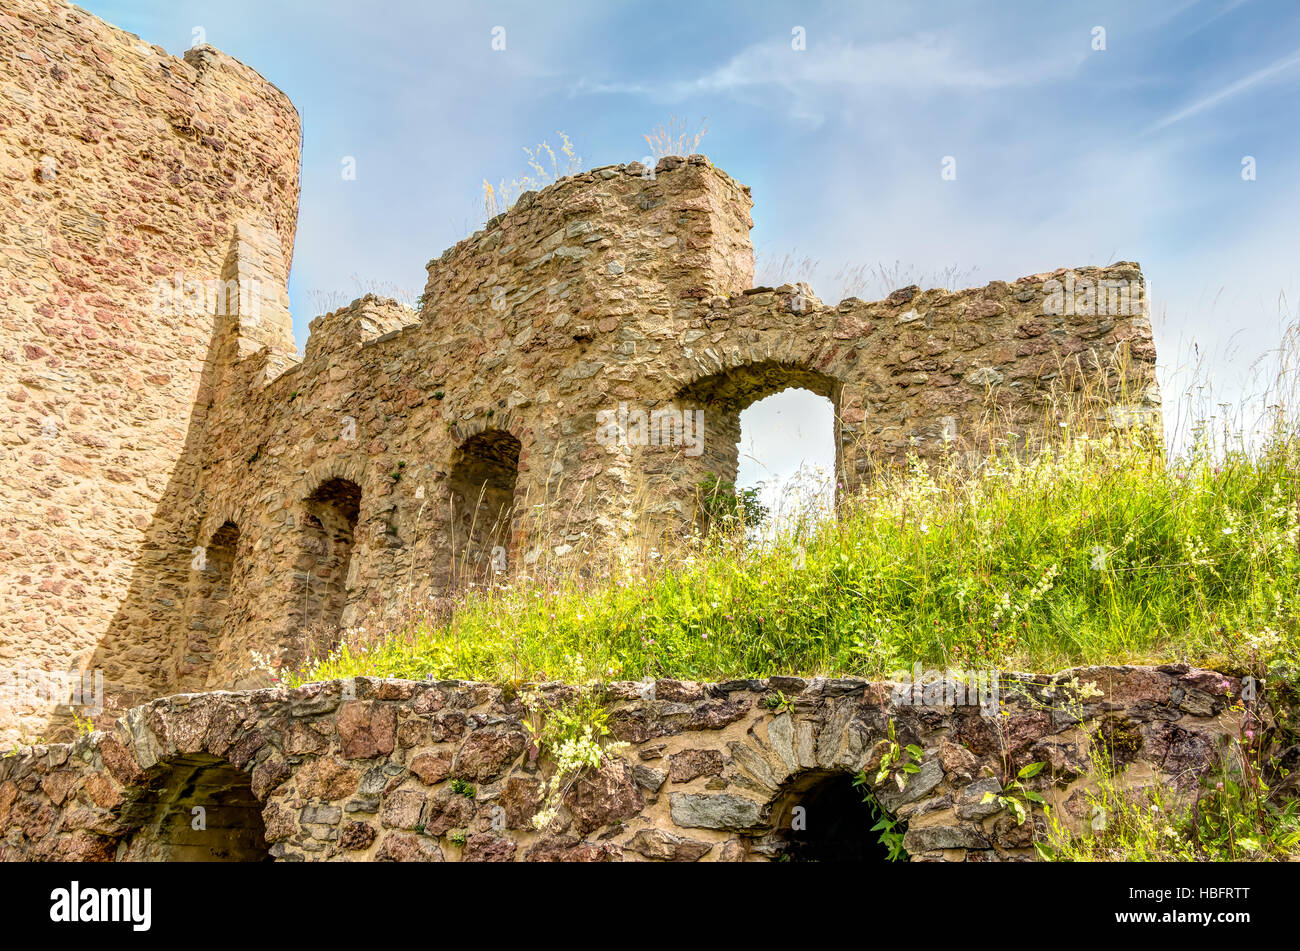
x=120, y=167
x=478, y=425
x=385, y=770
x=202, y=495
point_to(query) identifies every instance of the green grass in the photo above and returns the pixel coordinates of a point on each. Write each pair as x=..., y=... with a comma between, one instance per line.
x=1097, y=551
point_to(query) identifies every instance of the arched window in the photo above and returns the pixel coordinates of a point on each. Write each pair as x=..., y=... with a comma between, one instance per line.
x=214, y=577
x=764, y=422
x=481, y=505
x=329, y=528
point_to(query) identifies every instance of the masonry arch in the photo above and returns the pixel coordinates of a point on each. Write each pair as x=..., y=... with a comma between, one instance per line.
x=822, y=815
x=194, y=807
x=329, y=525
x=215, y=574
x=481, y=504
x=723, y=396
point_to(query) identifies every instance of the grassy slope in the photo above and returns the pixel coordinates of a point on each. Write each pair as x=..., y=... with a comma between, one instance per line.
x=1095, y=552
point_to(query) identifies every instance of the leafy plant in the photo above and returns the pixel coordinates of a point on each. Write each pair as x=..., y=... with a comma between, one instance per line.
x=462, y=788
x=892, y=831
x=573, y=733
x=778, y=701
x=897, y=762
x=729, y=510
x=1018, y=797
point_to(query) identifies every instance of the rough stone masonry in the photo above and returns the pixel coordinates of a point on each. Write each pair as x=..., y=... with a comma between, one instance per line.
x=182, y=487
x=392, y=770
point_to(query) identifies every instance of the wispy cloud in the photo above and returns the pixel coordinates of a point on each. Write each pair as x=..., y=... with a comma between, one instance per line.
x=1232, y=5
x=923, y=64
x=1232, y=89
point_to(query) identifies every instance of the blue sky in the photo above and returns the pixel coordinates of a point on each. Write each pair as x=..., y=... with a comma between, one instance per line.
x=1065, y=155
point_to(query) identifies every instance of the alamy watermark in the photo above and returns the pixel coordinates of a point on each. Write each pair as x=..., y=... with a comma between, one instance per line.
x=180, y=295
x=626, y=426
x=1086, y=297
x=32, y=687
x=934, y=688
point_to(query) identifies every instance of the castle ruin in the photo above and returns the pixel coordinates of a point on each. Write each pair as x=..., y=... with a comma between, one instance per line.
x=183, y=488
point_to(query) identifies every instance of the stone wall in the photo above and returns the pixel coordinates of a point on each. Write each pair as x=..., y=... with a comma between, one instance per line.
x=186, y=491
x=475, y=434
x=120, y=168
x=379, y=770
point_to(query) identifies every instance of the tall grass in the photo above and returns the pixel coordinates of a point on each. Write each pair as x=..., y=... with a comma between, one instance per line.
x=1095, y=550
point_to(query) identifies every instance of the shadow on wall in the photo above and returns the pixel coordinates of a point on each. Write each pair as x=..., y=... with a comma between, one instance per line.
x=184, y=589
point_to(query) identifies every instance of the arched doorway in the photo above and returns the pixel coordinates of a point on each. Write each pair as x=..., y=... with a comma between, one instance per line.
x=195, y=808
x=481, y=505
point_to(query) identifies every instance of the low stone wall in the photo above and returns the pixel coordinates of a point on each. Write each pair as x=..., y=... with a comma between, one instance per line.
x=374, y=770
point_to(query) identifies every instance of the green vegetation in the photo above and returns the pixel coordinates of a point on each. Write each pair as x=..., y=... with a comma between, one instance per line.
x=1097, y=550
x=1245, y=811
x=461, y=788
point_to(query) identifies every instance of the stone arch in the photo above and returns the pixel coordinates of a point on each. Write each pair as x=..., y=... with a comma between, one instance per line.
x=216, y=515
x=346, y=466
x=822, y=815
x=329, y=518
x=481, y=504
x=721, y=397
x=214, y=575
x=193, y=807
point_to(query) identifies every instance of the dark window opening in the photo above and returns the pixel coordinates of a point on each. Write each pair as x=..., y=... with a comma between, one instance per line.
x=195, y=808
x=825, y=817
x=329, y=530
x=481, y=492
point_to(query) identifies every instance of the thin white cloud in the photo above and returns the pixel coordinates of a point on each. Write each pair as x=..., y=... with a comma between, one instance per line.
x=923, y=63
x=1232, y=89
x=1232, y=5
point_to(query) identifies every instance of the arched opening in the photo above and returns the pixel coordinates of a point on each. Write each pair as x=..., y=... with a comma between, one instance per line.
x=743, y=414
x=329, y=530
x=826, y=817
x=481, y=505
x=787, y=455
x=208, y=607
x=195, y=808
